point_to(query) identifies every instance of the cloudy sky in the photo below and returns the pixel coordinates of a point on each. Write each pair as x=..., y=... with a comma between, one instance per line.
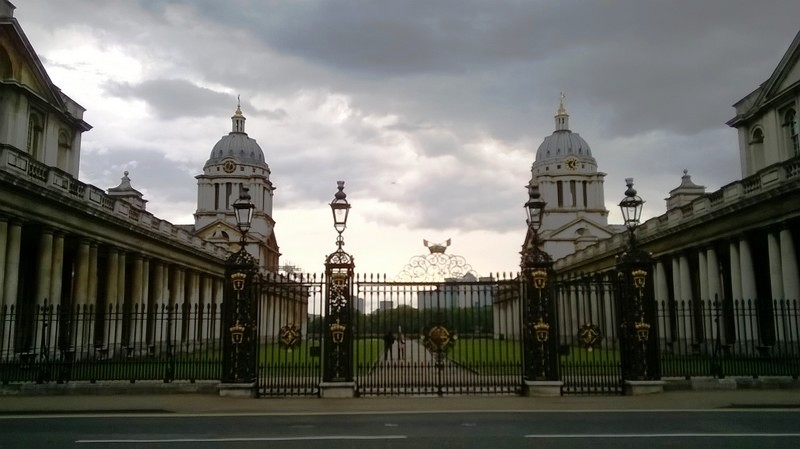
x=431, y=111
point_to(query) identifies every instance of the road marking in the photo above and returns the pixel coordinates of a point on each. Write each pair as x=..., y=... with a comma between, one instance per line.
x=666, y=435
x=244, y=439
x=112, y=415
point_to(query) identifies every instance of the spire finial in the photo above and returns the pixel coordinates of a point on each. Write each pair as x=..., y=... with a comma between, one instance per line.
x=562, y=118
x=238, y=118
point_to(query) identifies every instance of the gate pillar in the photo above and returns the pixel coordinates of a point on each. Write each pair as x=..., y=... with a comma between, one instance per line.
x=639, y=351
x=337, y=346
x=239, y=312
x=540, y=330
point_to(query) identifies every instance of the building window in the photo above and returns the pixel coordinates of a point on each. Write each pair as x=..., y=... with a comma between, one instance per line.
x=573, y=191
x=585, y=196
x=792, y=132
x=35, y=135
x=756, y=150
x=216, y=196
x=64, y=153
x=560, y=187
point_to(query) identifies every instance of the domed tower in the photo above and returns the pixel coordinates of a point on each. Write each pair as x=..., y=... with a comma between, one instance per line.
x=569, y=182
x=236, y=162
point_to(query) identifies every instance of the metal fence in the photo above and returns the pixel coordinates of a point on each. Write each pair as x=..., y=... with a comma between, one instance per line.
x=393, y=354
x=722, y=338
x=52, y=343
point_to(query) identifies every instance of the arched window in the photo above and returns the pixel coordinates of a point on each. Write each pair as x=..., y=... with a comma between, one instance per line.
x=755, y=150
x=64, y=153
x=792, y=132
x=35, y=135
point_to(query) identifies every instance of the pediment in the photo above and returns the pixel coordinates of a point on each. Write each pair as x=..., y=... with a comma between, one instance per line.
x=785, y=75
x=26, y=67
x=570, y=230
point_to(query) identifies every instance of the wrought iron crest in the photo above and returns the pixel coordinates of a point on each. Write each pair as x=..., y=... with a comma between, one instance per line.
x=642, y=330
x=289, y=337
x=541, y=330
x=337, y=332
x=438, y=338
x=590, y=334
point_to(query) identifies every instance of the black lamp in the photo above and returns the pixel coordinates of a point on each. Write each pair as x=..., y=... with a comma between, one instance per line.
x=340, y=208
x=631, y=206
x=244, y=211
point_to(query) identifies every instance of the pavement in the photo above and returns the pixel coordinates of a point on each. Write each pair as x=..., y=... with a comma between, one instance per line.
x=112, y=402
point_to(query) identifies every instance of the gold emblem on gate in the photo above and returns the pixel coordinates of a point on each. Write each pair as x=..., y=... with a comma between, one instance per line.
x=589, y=334
x=541, y=330
x=639, y=278
x=539, y=278
x=642, y=330
x=289, y=337
x=238, y=281
x=237, y=333
x=337, y=332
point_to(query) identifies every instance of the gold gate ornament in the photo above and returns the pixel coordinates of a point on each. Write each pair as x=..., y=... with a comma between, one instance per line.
x=237, y=333
x=642, y=330
x=238, y=281
x=639, y=278
x=589, y=334
x=539, y=278
x=289, y=336
x=541, y=330
x=337, y=332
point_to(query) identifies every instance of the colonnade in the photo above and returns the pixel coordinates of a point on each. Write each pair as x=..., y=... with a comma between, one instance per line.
x=98, y=295
x=753, y=278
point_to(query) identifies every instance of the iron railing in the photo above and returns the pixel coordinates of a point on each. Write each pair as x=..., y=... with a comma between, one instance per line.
x=132, y=342
x=723, y=338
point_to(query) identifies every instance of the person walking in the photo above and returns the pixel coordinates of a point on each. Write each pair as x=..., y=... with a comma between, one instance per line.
x=388, y=342
x=401, y=344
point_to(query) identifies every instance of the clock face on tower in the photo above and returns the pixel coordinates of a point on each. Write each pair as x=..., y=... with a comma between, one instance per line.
x=572, y=163
x=229, y=166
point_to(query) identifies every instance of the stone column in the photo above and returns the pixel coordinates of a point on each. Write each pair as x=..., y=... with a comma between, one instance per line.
x=57, y=269
x=789, y=271
x=5, y=328
x=775, y=270
x=702, y=264
x=43, y=318
x=736, y=272
x=80, y=288
x=11, y=282
x=748, y=272
x=205, y=307
x=44, y=267
x=91, y=297
x=715, y=293
x=110, y=304
x=790, y=277
x=135, y=306
x=192, y=302
x=156, y=304
x=662, y=301
x=144, y=304
x=686, y=296
x=3, y=245
x=749, y=293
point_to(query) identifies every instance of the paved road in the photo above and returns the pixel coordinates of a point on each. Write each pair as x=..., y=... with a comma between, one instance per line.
x=729, y=429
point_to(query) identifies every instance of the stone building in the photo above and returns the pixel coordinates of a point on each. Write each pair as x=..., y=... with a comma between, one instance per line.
x=737, y=245
x=569, y=182
x=92, y=272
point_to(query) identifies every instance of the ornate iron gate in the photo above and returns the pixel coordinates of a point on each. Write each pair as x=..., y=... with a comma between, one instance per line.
x=437, y=338
x=290, y=328
x=590, y=360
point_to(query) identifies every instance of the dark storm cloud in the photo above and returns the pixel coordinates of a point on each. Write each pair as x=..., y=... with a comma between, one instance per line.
x=172, y=98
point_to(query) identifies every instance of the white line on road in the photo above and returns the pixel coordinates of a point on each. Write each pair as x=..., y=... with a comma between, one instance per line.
x=111, y=415
x=663, y=435
x=243, y=439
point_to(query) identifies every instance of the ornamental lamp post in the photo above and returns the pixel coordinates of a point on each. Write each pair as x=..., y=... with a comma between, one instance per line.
x=341, y=209
x=631, y=207
x=243, y=208
x=540, y=339
x=639, y=339
x=337, y=351
x=239, y=310
x=535, y=208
